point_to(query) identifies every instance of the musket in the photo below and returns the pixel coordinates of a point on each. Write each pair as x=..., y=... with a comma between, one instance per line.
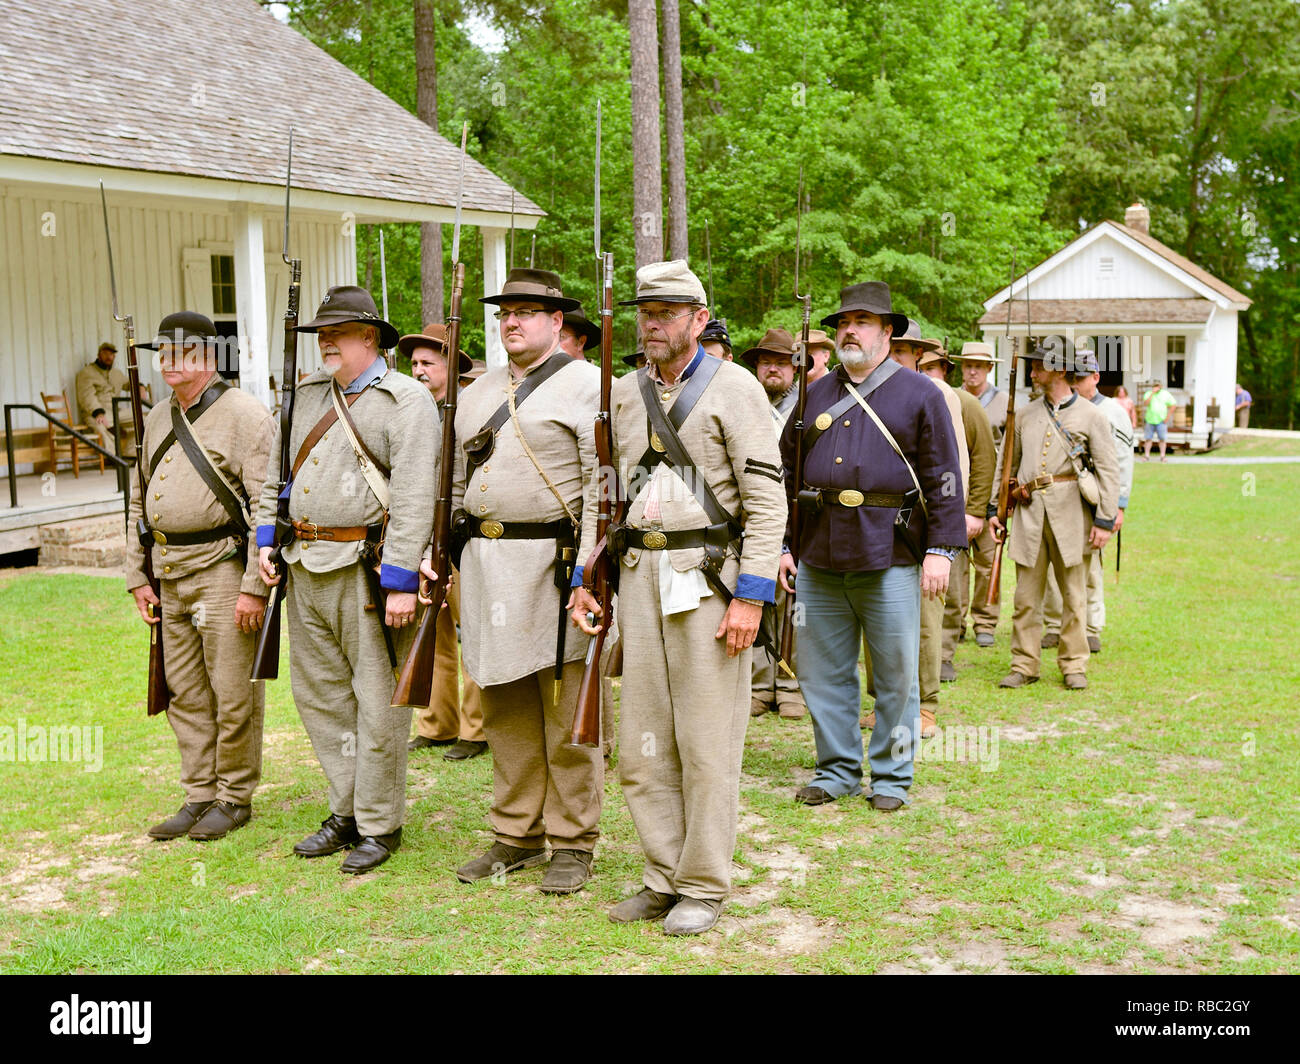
x=415, y=681
x=159, y=697
x=600, y=574
x=787, y=618
x=1005, y=498
x=266, y=654
x=389, y=357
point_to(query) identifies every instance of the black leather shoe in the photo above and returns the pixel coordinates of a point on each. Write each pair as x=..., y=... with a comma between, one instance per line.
x=180, y=823
x=371, y=852
x=421, y=743
x=220, y=820
x=336, y=832
x=812, y=796
x=464, y=750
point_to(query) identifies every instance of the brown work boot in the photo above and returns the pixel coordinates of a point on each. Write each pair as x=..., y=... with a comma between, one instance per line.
x=1017, y=679
x=792, y=709
x=647, y=905
x=1094, y=644
x=1050, y=640
x=568, y=871
x=500, y=859
x=757, y=707
x=1075, y=681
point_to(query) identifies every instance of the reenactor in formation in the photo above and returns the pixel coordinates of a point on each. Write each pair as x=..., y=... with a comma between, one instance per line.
x=897, y=477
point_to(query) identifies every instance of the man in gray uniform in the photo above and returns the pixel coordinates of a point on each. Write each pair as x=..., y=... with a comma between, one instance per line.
x=362, y=483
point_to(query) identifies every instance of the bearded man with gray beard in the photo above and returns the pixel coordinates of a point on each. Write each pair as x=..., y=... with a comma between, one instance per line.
x=877, y=531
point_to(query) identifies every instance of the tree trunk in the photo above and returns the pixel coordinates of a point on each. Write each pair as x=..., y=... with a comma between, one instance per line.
x=647, y=180
x=426, y=109
x=678, y=237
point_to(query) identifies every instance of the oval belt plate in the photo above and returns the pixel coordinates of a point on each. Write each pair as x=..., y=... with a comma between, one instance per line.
x=657, y=443
x=654, y=541
x=850, y=497
x=158, y=537
x=823, y=421
x=492, y=529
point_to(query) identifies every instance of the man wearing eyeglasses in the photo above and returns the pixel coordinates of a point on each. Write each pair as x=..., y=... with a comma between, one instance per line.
x=525, y=449
x=691, y=594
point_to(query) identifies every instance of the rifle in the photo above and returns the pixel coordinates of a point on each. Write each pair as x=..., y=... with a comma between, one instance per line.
x=787, y=619
x=1006, y=498
x=600, y=574
x=415, y=681
x=266, y=654
x=159, y=696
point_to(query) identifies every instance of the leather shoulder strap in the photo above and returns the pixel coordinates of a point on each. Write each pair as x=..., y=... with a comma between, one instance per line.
x=323, y=426
x=681, y=409
x=677, y=455
x=211, y=394
x=235, y=505
x=530, y=384
x=813, y=432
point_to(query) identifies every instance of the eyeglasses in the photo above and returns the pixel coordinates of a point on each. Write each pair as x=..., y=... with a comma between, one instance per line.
x=661, y=317
x=518, y=315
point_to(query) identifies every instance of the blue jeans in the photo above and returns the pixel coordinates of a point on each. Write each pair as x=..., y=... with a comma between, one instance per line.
x=838, y=609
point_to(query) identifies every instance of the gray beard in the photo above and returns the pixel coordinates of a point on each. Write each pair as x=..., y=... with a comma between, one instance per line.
x=853, y=358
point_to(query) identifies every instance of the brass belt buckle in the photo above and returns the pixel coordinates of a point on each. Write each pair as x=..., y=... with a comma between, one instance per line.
x=654, y=541
x=851, y=497
x=492, y=529
x=313, y=535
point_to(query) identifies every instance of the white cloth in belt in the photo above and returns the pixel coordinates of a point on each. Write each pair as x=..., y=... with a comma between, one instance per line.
x=678, y=592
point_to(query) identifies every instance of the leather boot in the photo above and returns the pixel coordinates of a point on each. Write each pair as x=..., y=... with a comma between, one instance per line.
x=647, y=905
x=180, y=822
x=568, y=871
x=220, y=820
x=336, y=833
x=371, y=852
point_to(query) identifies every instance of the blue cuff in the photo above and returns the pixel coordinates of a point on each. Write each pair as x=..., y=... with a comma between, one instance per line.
x=395, y=578
x=1123, y=502
x=266, y=535
x=1107, y=523
x=577, y=576
x=755, y=587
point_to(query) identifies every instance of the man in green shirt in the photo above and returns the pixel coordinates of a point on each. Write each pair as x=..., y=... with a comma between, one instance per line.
x=1160, y=403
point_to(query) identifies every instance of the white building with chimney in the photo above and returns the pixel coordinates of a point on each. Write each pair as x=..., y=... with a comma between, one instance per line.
x=1149, y=313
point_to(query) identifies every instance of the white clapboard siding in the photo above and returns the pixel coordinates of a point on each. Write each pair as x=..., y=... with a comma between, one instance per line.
x=1105, y=269
x=55, y=301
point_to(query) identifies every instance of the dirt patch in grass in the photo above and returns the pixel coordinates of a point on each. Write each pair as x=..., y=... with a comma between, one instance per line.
x=970, y=958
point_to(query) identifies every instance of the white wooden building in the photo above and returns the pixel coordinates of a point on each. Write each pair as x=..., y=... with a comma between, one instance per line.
x=1148, y=312
x=183, y=110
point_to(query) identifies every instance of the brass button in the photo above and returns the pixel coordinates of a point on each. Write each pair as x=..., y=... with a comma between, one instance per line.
x=838, y=460
x=482, y=487
x=167, y=568
x=157, y=495
x=168, y=458
x=306, y=491
x=162, y=476
x=325, y=437
x=667, y=396
x=482, y=509
x=823, y=421
x=315, y=461
x=487, y=469
x=155, y=517
x=846, y=424
x=305, y=545
x=164, y=550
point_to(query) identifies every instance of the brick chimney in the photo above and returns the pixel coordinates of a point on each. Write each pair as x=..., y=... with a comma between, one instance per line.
x=1139, y=218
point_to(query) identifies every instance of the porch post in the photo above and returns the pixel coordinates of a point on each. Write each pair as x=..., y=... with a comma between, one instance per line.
x=250, y=303
x=494, y=279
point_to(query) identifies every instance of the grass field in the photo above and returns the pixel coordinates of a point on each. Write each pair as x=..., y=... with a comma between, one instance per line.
x=1149, y=824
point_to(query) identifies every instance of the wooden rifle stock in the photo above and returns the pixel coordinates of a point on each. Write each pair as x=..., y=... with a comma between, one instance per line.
x=415, y=682
x=266, y=652
x=598, y=574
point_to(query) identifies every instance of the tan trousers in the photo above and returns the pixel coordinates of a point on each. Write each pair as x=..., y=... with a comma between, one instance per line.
x=544, y=790
x=962, y=600
x=681, y=735
x=932, y=615
x=216, y=710
x=450, y=714
x=769, y=683
x=1031, y=586
x=342, y=685
x=1096, y=599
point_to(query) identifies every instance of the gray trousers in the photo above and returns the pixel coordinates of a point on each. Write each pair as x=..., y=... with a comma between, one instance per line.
x=681, y=735
x=342, y=685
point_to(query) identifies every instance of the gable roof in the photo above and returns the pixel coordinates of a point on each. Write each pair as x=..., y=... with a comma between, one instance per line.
x=209, y=88
x=1141, y=244
x=1101, y=312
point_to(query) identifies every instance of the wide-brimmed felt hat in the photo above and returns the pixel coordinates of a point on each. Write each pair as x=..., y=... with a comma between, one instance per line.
x=584, y=327
x=349, y=302
x=817, y=338
x=1053, y=356
x=912, y=335
x=774, y=342
x=435, y=336
x=871, y=296
x=715, y=331
x=976, y=352
x=477, y=368
x=667, y=282
x=630, y=360
x=533, y=286
x=184, y=327
x=931, y=357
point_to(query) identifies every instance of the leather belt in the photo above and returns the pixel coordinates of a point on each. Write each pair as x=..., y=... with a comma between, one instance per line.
x=623, y=539
x=851, y=497
x=488, y=529
x=313, y=532
x=1047, y=479
x=229, y=530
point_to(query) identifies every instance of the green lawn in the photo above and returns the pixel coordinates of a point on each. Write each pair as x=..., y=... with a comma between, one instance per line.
x=1149, y=824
